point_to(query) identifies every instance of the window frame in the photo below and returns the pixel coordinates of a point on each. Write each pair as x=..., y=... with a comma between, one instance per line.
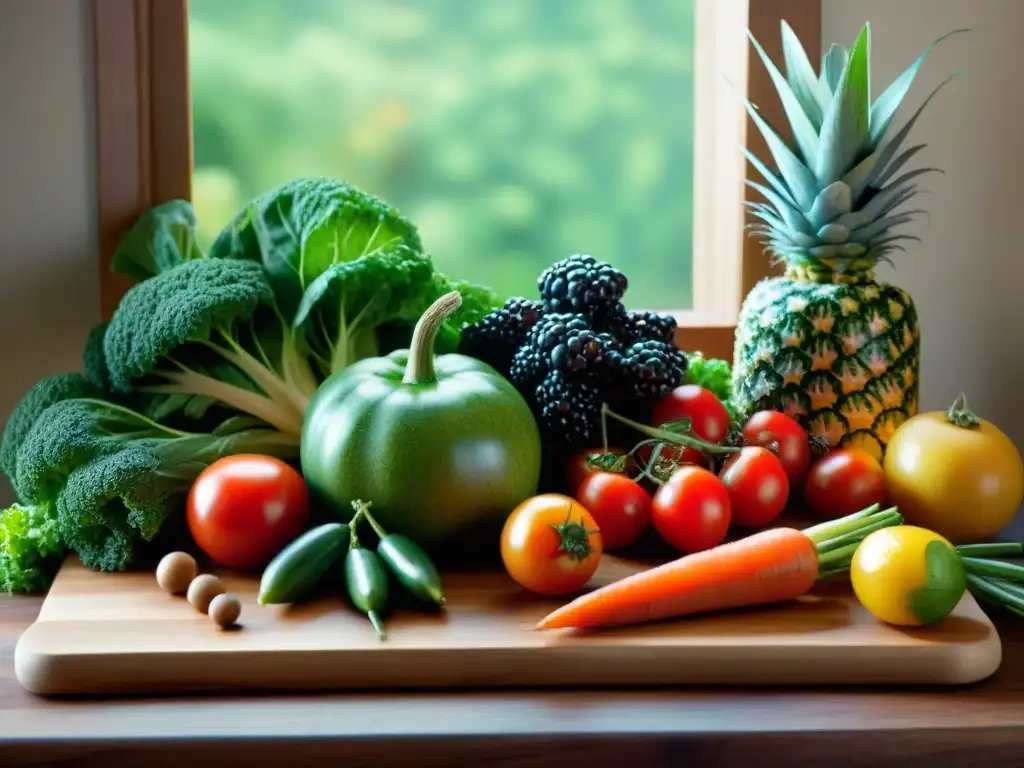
x=144, y=140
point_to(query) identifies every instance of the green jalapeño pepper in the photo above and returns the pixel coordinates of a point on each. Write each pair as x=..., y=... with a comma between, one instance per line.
x=407, y=561
x=366, y=581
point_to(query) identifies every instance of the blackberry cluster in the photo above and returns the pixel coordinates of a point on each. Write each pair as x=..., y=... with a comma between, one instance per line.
x=499, y=334
x=578, y=348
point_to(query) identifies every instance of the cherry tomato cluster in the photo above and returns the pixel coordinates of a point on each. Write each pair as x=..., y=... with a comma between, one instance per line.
x=747, y=484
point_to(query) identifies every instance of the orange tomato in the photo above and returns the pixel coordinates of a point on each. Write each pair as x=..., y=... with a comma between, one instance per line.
x=551, y=545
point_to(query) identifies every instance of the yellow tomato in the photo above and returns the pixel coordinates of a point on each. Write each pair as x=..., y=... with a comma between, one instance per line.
x=907, y=576
x=955, y=474
x=551, y=544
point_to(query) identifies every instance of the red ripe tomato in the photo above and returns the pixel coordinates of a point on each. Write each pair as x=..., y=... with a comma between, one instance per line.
x=242, y=510
x=844, y=482
x=579, y=470
x=692, y=510
x=767, y=427
x=709, y=420
x=621, y=508
x=757, y=484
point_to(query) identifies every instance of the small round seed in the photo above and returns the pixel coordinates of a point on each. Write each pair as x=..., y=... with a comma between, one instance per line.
x=175, y=572
x=202, y=590
x=225, y=610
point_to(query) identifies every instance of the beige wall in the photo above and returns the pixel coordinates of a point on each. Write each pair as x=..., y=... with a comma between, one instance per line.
x=968, y=274
x=48, y=277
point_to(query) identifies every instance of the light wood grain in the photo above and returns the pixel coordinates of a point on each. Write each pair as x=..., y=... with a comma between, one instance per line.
x=981, y=724
x=118, y=633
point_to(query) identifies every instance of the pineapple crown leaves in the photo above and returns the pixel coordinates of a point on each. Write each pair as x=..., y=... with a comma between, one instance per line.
x=838, y=193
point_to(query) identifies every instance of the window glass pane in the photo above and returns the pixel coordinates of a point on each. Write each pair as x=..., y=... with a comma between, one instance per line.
x=512, y=132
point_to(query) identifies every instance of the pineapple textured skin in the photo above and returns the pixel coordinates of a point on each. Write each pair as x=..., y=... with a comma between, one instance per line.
x=843, y=358
x=826, y=343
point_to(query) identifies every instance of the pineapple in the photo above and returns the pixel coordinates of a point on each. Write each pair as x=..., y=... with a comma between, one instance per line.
x=827, y=343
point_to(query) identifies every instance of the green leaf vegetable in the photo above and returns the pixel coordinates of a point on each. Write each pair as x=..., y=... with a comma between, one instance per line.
x=208, y=355
x=712, y=374
x=30, y=547
x=162, y=238
x=347, y=268
x=100, y=478
x=210, y=328
x=342, y=307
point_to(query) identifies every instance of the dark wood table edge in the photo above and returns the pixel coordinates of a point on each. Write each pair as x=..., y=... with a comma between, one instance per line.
x=976, y=725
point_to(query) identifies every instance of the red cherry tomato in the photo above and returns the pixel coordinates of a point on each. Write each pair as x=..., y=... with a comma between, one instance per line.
x=621, y=508
x=757, y=484
x=767, y=427
x=844, y=482
x=242, y=510
x=709, y=420
x=692, y=510
x=578, y=469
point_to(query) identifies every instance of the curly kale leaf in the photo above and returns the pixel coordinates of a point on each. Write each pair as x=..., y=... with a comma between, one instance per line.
x=31, y=547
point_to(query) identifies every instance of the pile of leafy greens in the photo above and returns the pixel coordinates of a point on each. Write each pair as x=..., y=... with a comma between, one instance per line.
x=208, y=355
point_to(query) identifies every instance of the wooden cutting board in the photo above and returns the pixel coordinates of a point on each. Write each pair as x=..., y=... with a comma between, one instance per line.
x=119, y=633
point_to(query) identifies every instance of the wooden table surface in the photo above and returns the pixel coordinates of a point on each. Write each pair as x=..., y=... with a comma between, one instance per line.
x=978, y=725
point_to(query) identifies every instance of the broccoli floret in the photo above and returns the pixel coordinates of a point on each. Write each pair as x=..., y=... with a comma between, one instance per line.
x=209, y=328
x=42, y=394
x=111, y=503
x=114, y=476
x=31, y=547
x=94, y=365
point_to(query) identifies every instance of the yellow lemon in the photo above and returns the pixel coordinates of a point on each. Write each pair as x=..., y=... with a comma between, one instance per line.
x=907, y=576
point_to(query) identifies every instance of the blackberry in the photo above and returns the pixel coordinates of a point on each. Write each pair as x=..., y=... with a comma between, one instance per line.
x=527, y=369
x=650, y=326
x=580, y=284
x=610, y=318
x=568, y=410
x=495, y=338
x=647, y=370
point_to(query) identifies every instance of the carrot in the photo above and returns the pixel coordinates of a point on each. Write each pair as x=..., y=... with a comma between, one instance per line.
x=772, y=566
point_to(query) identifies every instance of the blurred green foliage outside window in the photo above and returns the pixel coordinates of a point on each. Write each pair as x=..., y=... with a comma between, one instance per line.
x=511, y=132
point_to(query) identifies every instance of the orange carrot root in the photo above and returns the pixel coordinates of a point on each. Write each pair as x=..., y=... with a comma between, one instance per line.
x=772, y=566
